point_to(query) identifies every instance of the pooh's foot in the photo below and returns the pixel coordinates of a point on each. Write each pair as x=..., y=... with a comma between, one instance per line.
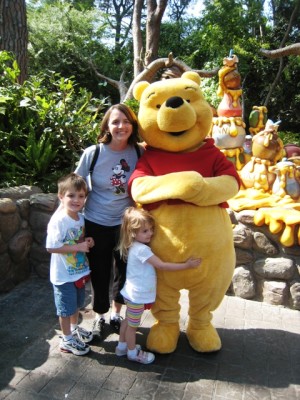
x=205, y=339
x=163, y=338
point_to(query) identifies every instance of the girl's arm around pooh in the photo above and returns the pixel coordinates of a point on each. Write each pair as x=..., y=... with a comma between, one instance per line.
x=157, y=263
x=188, y=186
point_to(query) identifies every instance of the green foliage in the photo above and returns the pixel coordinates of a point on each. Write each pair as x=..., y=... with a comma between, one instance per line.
x=133, y=104
x=46, y=122
x=32, y=160
x=65, y=39
x=289, y=137
x=209, y=87
x=44, y=125
x=65, y=35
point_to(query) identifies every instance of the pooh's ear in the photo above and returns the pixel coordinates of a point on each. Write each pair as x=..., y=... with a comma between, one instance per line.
x=193, y=76
x=139, y=88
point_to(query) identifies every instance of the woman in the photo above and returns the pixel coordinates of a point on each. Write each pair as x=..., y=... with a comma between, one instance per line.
x=105, y=205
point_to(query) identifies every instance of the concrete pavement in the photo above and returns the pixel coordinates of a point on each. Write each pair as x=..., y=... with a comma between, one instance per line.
x=260, y=358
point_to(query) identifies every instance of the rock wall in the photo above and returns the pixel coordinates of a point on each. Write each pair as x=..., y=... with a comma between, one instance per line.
x=24, y=214
x=265, y=270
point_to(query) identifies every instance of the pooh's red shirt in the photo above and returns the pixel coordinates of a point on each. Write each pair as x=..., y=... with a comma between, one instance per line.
x=208, y=160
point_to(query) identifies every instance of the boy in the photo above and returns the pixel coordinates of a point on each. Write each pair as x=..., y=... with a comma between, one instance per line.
x=69, y=268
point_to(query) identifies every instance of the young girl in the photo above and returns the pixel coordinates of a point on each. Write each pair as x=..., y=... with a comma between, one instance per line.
x=139, y=290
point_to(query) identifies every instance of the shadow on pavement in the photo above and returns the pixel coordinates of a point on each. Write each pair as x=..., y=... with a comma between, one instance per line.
x=31, y=363
x=249, y=356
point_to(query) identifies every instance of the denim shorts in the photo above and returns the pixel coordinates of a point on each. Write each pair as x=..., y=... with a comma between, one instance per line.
x=68, y=299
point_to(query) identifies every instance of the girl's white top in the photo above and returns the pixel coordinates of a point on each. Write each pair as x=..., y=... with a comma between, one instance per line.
x=140, y=285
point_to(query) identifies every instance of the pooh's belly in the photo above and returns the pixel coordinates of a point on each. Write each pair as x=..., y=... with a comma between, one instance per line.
x=184, y=231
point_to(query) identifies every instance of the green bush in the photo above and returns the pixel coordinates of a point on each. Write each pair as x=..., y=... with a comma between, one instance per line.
x=290, y=137
x=44, y=126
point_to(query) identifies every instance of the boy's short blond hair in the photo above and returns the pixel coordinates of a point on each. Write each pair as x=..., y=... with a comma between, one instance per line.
x=71, y=181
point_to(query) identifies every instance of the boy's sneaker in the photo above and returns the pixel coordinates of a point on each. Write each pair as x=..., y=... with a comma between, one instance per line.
x=143, y=357
x=120, y=352
x=74, y=346
x=115, y=323
x=83, y=335
x=98, y=327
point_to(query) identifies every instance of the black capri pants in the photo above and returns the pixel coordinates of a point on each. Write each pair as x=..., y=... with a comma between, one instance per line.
x=105, y=260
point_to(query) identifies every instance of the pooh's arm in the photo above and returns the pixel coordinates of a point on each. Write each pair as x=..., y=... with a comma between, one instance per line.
x=188, y=186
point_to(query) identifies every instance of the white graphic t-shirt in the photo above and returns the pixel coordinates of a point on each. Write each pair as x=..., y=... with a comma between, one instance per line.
x=62, y=230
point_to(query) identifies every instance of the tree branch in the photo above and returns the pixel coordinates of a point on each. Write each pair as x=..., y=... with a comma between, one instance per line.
x=120, y=85
x=151, y=70
x=293, y=49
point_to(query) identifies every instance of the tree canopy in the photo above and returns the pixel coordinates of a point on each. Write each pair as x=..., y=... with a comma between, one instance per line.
x=84, y=55
x=104, y=45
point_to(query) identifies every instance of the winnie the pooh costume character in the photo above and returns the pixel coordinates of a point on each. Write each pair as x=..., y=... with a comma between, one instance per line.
x=185, y=181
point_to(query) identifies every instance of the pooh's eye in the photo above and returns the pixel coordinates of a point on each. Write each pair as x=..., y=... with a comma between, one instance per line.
x=158, y=106
x=188, y=101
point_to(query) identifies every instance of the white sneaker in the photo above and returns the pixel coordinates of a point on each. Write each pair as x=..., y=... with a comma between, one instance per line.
x=82, y=334
x=74, y=346
x=143, y=357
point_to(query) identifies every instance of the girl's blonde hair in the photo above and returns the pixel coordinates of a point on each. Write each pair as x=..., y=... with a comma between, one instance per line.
x=133, y=220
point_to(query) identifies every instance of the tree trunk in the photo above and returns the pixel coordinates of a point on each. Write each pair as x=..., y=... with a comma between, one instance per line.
x=13, y=32
x=155, y=13
x=137, y=37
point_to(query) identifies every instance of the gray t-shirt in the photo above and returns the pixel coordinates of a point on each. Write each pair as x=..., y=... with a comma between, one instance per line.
x=108, y=199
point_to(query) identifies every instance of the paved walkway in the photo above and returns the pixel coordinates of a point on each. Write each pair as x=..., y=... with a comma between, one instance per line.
x=260, y=358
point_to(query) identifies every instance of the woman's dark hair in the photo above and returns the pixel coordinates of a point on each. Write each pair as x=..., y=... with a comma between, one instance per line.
x=105, y=136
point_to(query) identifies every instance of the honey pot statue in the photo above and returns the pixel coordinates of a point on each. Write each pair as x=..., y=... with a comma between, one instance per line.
x=287, y=182
x=228, y=130
x=267, y=150
x=258, y=119
x=271, y=185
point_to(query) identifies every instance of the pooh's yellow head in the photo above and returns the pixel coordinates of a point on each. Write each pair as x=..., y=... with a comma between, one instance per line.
x=173, y=114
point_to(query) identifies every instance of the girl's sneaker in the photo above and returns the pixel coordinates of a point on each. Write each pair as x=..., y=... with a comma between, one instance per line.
x=83, y=335
x=124, y=352
x=74, y=346
x=143, y=357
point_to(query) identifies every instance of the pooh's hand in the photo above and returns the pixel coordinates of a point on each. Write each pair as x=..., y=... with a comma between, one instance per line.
x=188, y=186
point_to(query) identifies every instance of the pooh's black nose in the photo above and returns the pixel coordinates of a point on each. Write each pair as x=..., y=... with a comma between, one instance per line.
x=174, y=102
